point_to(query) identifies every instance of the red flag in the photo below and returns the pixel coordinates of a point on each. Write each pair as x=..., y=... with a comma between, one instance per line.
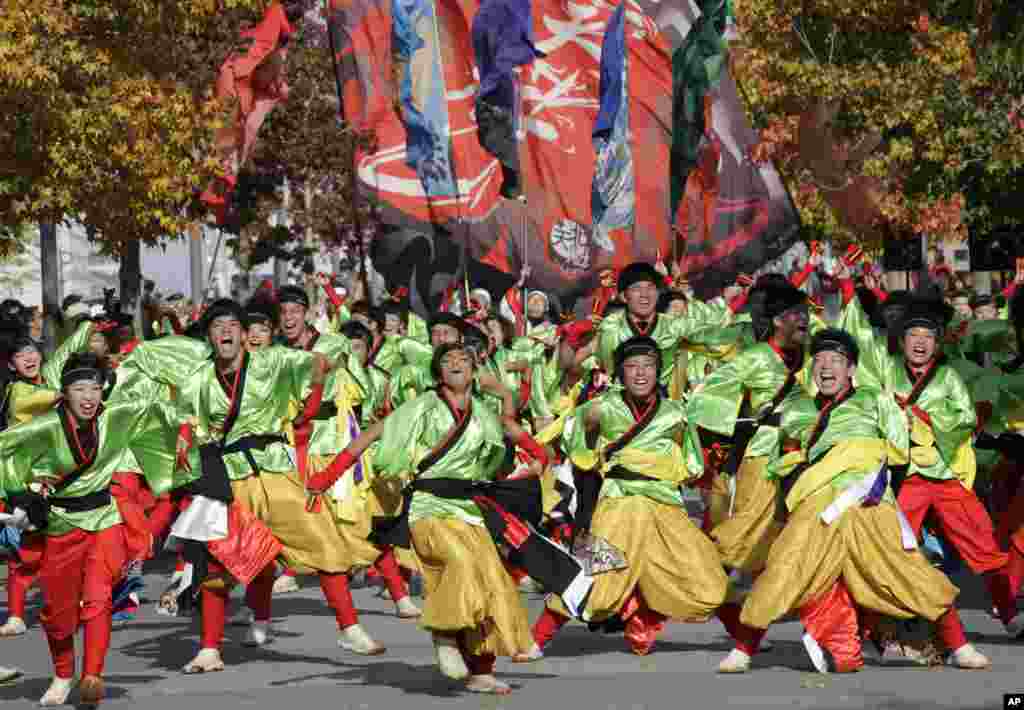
x=256, y=78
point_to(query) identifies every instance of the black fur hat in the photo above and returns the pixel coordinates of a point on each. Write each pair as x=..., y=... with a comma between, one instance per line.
x=835, y=340
x=292, y=294
x=927, y=313
x=638, y=272
x=445, y=318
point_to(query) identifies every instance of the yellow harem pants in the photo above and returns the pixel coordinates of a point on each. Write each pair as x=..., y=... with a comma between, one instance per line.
x=375, y=496
x=864, y=548
x=673, y=565
x=312, y=542
x=467, y=588
x=744, y=537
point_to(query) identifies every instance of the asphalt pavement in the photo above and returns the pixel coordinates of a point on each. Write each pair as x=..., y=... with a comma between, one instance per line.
x=303, y=668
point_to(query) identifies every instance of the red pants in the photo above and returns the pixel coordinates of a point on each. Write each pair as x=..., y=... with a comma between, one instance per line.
x=385, y=568
x=134, y=502
x=78, y=572
x=643, y=625
x=22, y=575
x=831, y=620
x=961, y=516
x=967, y=525
x=214, y=602
x=1011, y=535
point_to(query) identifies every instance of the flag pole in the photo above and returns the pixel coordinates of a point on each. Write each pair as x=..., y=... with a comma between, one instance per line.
x=357, y=223
x=464, y=251
x=524, y=223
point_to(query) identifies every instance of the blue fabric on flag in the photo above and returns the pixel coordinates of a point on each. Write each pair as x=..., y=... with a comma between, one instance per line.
x=502, y=41
x=613, y=191
x=425, y=112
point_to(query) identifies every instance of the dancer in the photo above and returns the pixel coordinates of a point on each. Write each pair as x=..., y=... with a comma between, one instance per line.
x=58, y=467
x=639, y=285
x=34, y=391
x=941, y=419
x=449, y=438
x=629, y=437
x=740, y=400
x=239, y=401
x=323, y=436
x=845, y=540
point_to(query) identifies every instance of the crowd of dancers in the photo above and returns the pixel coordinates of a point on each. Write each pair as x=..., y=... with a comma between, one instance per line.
x=492, y=445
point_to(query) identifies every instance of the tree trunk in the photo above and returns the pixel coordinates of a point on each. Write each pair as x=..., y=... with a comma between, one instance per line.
x=195, y=254
x=281, y=262
x=130, y=276
x=49, y=258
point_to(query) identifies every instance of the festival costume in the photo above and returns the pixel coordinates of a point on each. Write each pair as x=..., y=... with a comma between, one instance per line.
x=138, y=506
x=940, y=475
x=235, y=426
x=26, y=400
x=470, y=599
x=85, y=549
x=552, y=398
x=317, y=442
x=672, y=569
x=843, y=525
x=410, y=381
x=667, y=331
x=740, y=400
x=395, y=351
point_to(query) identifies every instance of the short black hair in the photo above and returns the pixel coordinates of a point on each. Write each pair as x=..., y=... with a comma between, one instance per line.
x=475, y=339
x=445, y=318
x=354, y=330
x=439, y=355
x=292, y=294
x=637, y=345
x=666, y=298
x=394, y=308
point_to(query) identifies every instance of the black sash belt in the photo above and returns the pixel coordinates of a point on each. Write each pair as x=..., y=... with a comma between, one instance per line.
x=588, y=490
x=38, y=506
x=621, y=473
x=83, y=504
x=520, y=497
x=327, y=411
x=512, y=512
x=215, y=482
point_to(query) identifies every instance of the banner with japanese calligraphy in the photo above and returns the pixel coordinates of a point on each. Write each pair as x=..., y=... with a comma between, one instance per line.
x=460, y=225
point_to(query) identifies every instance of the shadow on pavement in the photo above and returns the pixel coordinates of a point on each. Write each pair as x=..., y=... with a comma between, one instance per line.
x=31, y=689
x=413, y=680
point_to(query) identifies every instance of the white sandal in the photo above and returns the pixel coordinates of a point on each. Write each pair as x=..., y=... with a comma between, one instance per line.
x=58, y=692
x=488, y=684
x=208, y=660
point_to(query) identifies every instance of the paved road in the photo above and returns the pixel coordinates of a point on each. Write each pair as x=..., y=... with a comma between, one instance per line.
x=304, y=669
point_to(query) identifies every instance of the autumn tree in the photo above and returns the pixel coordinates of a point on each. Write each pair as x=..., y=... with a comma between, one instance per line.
x=889, y=117
x=107, y=112
x=303, y=165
